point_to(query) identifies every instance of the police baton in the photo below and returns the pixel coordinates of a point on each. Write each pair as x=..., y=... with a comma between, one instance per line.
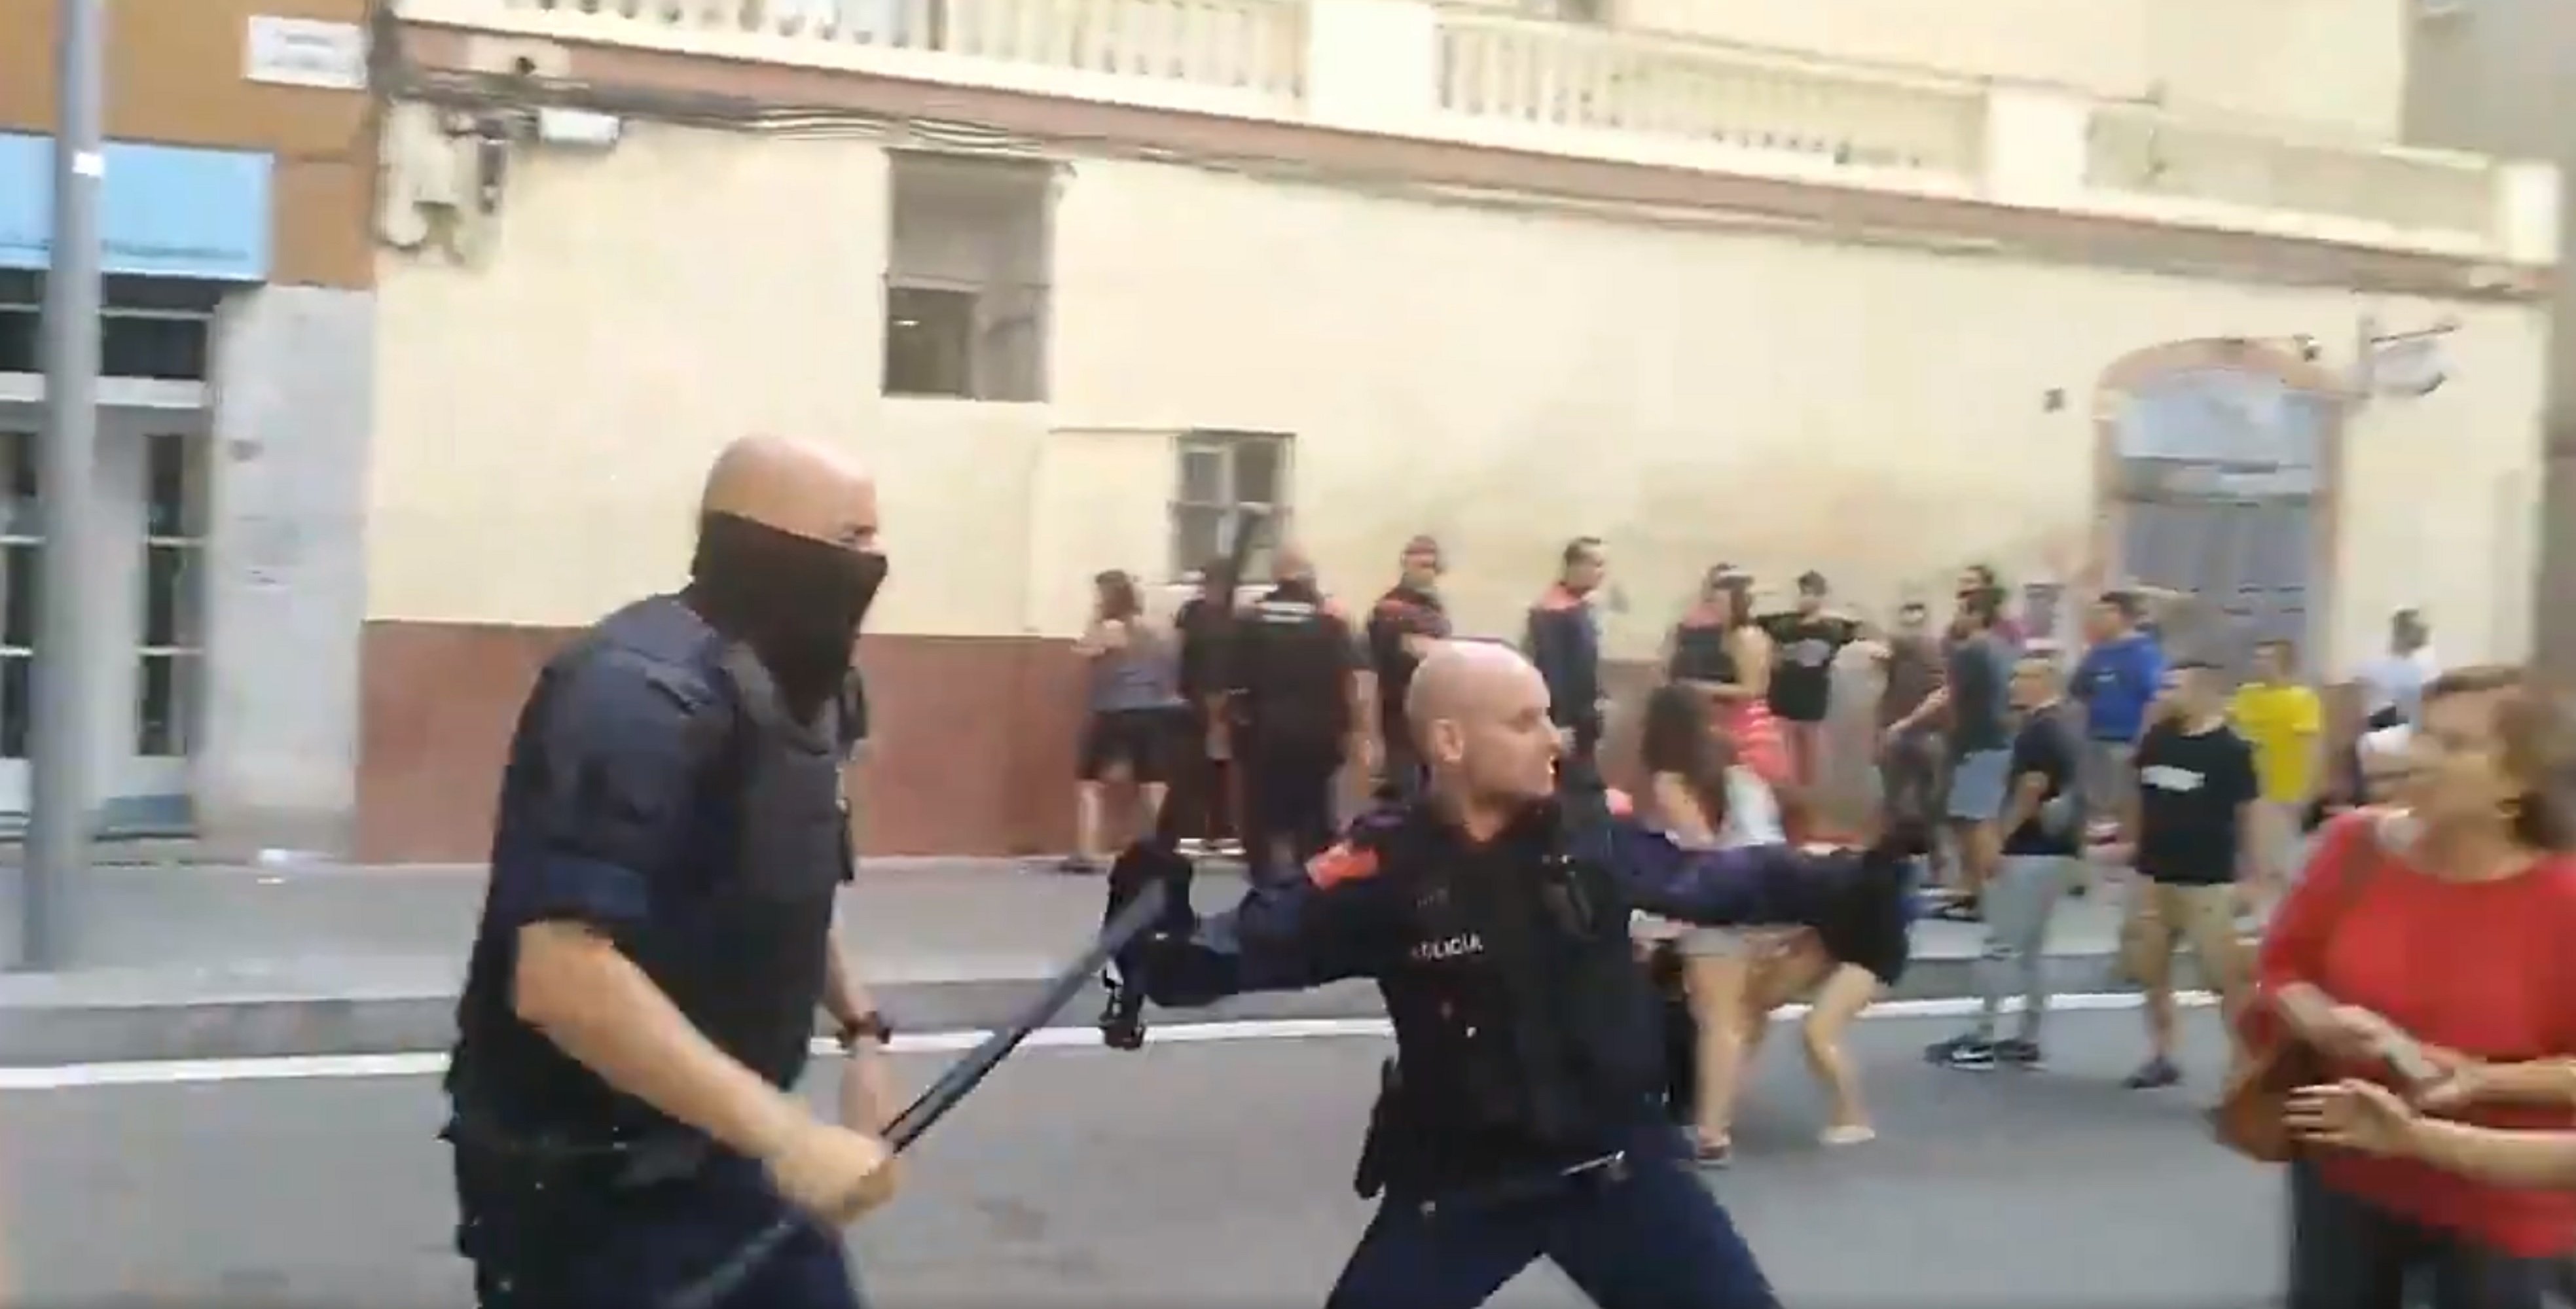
x=721, y=1283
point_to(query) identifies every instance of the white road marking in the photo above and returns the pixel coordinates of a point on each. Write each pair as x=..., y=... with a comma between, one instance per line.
x=302, y=1068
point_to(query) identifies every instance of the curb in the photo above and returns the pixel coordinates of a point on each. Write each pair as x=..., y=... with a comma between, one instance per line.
x=49, y=1035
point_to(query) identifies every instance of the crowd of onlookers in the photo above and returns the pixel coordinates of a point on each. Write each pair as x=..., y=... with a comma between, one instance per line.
x=2406, y=1019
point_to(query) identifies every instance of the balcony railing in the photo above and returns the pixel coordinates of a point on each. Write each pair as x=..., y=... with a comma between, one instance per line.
x=2147, y=153
x=1246, y=48
x=1593, y=79
x=1476, y=75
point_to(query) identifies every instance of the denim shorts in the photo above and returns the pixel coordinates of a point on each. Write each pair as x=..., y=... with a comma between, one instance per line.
x=1977, y=785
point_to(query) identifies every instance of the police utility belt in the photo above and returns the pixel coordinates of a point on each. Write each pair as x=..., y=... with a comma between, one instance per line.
x=626, y=1159
x=1387, y=1132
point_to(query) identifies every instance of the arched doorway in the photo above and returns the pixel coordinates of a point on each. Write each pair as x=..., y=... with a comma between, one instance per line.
x=2218, y=462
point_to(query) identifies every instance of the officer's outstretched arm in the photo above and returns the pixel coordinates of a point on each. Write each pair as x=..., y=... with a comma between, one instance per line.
x=1717, y=888
x=620, y=746
x=1331, y=923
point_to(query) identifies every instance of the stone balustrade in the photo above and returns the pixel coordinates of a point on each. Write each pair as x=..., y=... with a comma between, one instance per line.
x=1478, y=74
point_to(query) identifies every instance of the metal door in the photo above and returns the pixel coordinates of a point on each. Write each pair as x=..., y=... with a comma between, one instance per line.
x=2219, y=483
x=20, y=540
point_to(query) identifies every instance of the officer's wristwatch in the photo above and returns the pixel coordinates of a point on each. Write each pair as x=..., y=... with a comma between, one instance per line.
x=869, y=1026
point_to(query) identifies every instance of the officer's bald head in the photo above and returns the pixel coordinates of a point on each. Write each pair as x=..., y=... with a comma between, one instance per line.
x=1291, y=563
x=1479, y=716
x=798, y=487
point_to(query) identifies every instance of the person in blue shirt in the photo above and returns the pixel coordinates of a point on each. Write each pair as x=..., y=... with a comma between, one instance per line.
x=2116, y=682
x=1522, y=1117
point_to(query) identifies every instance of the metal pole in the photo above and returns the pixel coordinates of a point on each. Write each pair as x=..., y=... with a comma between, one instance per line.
x=61, y=806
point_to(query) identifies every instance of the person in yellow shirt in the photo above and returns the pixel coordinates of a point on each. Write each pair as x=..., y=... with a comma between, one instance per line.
x=2285, y=722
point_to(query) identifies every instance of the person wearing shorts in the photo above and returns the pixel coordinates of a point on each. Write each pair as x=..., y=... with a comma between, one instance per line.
x=2192, y=822
x=2284, y=720
x=1980, y=741
x=1131, y=696
x=1697, y=793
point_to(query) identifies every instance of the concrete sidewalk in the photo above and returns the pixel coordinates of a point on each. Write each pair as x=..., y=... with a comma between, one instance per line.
x=209, y=962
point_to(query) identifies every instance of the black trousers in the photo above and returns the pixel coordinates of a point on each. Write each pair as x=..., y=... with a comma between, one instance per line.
x=2346, y=1253
x=1197, y=798
x=1655, y=1238
x=570, y=1247
x=1288, y=804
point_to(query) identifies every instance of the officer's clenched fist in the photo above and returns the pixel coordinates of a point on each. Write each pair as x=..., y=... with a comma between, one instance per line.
x=832, y=1172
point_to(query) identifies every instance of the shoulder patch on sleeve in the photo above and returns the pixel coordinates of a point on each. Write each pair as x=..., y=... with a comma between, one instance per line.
x=1344, y=863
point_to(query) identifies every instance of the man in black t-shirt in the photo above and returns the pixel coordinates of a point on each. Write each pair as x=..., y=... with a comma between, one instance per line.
x=2042, y=824
x=1804, y=643
x=2191, y=815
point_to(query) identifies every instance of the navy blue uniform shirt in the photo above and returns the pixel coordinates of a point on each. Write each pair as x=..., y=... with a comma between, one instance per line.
x=1346, y=918
x=1564, y=642
x=609, y=815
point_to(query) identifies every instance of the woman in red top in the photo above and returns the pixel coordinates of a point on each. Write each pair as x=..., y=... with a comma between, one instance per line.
x=2447, y=922
x=1720, y=651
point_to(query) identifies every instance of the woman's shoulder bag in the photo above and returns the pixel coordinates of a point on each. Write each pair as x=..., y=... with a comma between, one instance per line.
x=2250, y=1115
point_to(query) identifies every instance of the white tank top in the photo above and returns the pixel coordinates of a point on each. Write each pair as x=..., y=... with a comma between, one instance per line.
x=1752, y=812
x=1752, y=818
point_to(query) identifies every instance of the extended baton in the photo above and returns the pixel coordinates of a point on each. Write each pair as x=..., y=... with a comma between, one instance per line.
x=720, y=1283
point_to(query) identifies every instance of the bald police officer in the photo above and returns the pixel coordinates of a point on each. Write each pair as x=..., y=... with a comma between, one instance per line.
x=1521, y=1118
x=656, y=939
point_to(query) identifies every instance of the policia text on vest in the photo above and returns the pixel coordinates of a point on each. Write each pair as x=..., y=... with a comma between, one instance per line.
x=1521, y=1118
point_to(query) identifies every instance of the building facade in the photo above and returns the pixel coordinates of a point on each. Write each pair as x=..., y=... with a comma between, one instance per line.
x=2491, y=76
x=238, y=349
x=1388, y=267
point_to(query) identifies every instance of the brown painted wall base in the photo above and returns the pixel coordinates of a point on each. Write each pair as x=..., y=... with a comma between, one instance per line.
x=974, y=749
x=973, y=754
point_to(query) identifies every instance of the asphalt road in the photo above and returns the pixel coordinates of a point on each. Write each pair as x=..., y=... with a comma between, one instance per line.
x=1203, y=1176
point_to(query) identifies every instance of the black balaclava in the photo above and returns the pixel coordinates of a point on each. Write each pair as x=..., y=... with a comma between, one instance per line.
x=796, y=602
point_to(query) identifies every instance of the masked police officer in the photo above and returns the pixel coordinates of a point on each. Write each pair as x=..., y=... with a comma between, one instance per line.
x=1299, y=694
x=657, y=935
x=1521, y=1118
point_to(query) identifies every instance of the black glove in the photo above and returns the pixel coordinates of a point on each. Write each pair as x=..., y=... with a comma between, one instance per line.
x=1143, y=864
x=1122, y=1020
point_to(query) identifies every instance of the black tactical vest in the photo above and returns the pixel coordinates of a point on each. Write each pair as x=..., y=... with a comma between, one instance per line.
x=1294, y=664
x=1552, y=1038
x=748, y=963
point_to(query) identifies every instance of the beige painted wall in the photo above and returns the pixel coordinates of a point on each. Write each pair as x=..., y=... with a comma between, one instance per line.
x=2339, y=62
x=1504, y=380
x=544, y=417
